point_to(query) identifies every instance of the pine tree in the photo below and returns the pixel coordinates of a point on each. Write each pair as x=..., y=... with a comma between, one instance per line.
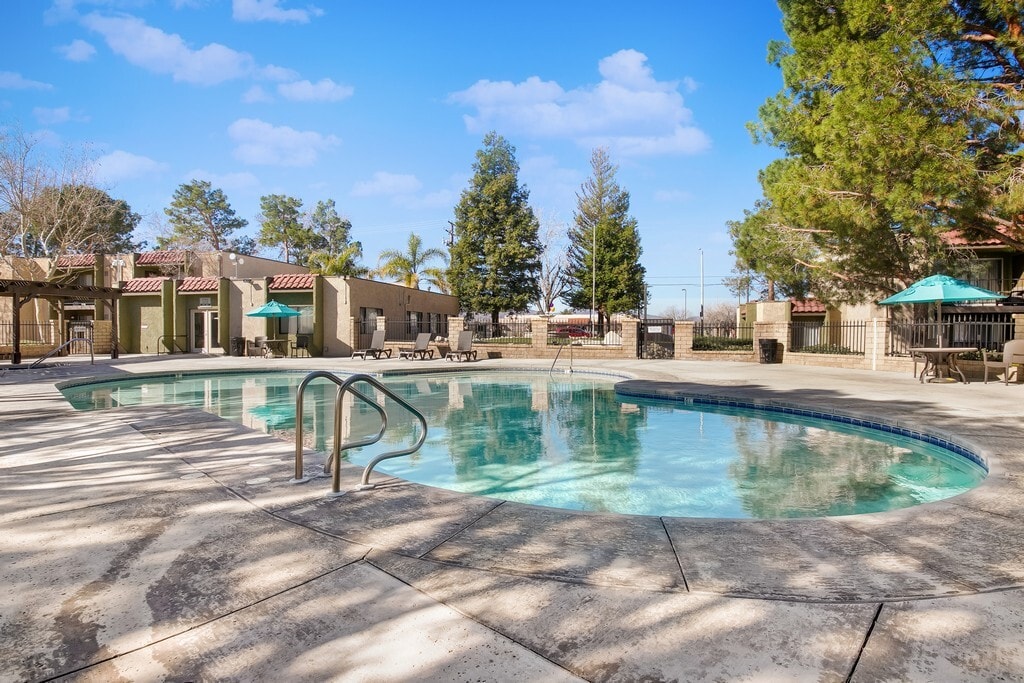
x=495, y=259
x=604, y=270
x=202, y=216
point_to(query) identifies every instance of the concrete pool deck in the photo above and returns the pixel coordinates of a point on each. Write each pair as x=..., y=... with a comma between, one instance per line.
x=166, y=543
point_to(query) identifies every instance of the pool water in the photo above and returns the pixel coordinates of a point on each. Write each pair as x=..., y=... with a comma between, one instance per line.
x=569, y=442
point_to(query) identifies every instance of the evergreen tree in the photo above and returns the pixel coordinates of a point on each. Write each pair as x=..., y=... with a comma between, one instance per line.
x=281, y=226
x=331, y=232
x=604, y=268
x=495, y=259
x=899, y=122
x=201, y=216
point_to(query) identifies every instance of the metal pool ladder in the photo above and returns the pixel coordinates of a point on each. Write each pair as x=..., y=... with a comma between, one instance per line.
x=345, y=386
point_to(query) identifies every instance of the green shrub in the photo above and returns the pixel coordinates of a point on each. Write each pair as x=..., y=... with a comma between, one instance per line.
x=722, y=344
x=834, y=349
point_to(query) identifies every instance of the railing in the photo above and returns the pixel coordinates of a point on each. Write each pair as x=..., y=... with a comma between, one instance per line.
x=844, y=338
x=501, y=332
x=54, y=352
x=335, y=457
x=723, y=337
x=170, y=341
x=980, y=334
x=30, y=333
x=587, y=334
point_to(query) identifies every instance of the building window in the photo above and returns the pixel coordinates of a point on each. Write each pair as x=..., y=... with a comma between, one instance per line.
x=300, y=324
x=368, y=319
x=414, y=322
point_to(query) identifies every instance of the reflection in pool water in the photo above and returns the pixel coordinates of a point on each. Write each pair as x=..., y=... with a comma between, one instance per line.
x=570, y=442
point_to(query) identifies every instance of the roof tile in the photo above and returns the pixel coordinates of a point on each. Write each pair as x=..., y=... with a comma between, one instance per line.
x=292, y=281
x=76, y=261
x=807, y=306
x=143, y=285
x=156, y=258
x=198, y=284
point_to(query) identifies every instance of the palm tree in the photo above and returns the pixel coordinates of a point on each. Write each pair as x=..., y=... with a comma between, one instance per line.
x=438, y=277
x=345, y=262
x=406, y=267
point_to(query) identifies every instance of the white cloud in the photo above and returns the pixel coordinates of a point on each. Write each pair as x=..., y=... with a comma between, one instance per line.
x=324, y=90
x=256, y=94
x=77, y=51
x=120, y=165
x=268, y=10
x=230, y=182
x=258, y=142
x=152, y=49
x=387, y=184
x=278, y=73
x=12, y=81
x=50, y=117
x=629, y=111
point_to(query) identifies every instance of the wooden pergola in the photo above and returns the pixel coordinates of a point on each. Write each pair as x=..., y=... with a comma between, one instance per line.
x=23, y=291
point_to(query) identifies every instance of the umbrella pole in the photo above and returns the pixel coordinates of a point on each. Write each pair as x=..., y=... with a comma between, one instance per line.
x=938, y=316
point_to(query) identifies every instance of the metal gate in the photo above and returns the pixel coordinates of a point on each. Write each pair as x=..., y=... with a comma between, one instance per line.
x=656, y=338
x=79, y=329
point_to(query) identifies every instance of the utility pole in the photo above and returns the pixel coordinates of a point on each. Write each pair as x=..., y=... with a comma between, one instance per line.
x=701, y=286
x=451, y=235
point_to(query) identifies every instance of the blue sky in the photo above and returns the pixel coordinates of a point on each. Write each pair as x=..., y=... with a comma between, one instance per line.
x=382, y=106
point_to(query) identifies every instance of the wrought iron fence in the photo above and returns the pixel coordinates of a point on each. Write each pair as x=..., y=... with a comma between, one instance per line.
x=723, y=337
x=30, y=333
x=845, y=338
x=501, y=332
x=955, y=331
x=587, y=334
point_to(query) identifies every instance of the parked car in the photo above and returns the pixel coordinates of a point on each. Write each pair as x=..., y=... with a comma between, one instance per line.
x=571, y=331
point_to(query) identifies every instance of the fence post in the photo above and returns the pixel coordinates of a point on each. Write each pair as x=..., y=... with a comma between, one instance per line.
x=630, y=337
x=1018, y=325
x=539, y=333
x=683, y=342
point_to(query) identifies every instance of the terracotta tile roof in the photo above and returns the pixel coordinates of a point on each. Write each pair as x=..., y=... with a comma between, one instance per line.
x=156, y=258
x=292, y=281
x=808, y=306
x=143, y=285
x=198, y=284
x=955, y=239
x=76, y=261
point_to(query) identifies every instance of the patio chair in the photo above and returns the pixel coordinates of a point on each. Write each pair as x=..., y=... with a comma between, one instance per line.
x=420, y=349
x=463, y=347
x=256, y=347
x=376, y=349
x=1013, y=358
x=301, y=343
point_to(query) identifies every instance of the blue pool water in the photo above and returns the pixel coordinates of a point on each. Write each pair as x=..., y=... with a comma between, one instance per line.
x=570, y=442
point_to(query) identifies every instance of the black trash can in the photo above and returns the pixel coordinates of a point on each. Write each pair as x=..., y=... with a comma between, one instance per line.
x=768, y=348
x=238, y=346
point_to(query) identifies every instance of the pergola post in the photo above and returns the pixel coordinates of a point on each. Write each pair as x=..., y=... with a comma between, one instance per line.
x=113, y=328
x=16, y=331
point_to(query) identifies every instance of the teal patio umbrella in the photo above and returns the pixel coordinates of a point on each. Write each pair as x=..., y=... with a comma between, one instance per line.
x=273, y=309
x=938, y=288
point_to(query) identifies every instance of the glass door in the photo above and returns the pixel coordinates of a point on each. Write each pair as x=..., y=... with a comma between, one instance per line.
x=203, y=332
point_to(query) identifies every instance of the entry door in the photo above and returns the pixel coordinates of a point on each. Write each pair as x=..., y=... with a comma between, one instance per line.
x=204, y=332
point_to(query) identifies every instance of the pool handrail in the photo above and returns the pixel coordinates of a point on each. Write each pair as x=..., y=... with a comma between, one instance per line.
x=335, y=457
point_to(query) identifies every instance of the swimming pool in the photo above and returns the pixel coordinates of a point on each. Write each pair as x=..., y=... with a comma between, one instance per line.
x=569, y=441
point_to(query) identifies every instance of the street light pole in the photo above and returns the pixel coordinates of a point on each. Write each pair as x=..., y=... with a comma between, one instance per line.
x=593, y=277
